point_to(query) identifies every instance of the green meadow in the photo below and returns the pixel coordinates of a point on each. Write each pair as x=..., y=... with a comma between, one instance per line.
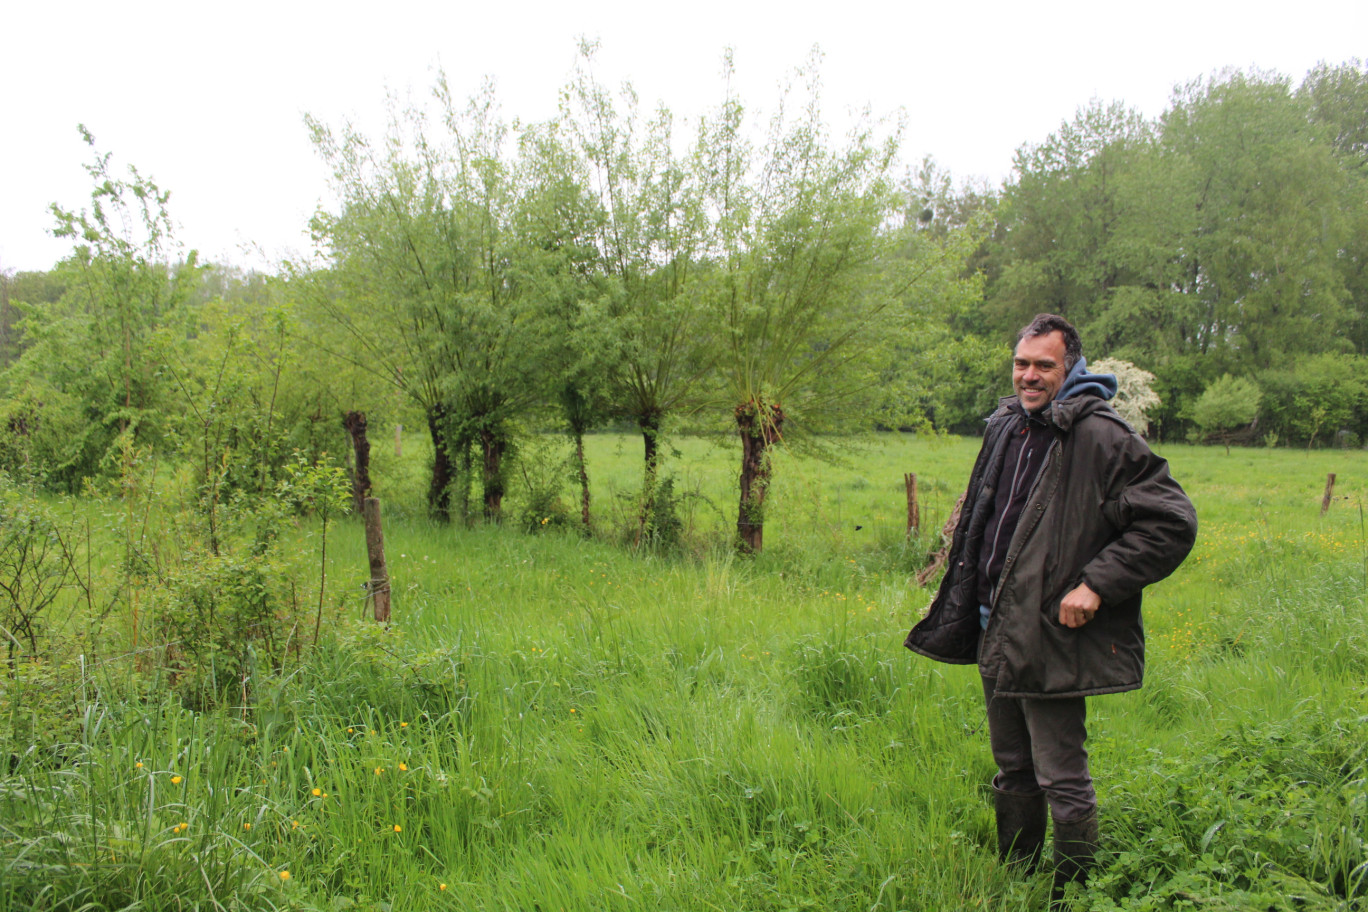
x=561, y=722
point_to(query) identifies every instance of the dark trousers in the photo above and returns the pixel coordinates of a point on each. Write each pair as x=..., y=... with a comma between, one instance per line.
x=1038, y=744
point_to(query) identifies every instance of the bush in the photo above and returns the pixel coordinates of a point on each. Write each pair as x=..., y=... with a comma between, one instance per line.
x=1224, y=407
x=1135, y=395
x=1316, y=398
x=542, y=476
x=664, y=528
x=231, y=605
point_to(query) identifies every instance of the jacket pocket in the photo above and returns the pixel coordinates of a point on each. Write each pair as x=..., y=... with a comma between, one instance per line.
x=1050, y=607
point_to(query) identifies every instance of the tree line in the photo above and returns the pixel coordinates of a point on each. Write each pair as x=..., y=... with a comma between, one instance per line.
x=619, y=267
x=1222, y=246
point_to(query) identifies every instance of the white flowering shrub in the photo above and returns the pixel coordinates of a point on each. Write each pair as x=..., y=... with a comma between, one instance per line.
x=1135, y=394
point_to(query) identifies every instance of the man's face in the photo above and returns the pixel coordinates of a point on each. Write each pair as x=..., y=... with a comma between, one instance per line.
x=1038, y=370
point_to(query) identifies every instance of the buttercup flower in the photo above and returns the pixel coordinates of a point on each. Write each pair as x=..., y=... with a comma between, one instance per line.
x=175, y=780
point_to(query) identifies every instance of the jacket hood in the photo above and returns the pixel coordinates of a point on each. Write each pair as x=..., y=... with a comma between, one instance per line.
x=1080, y=382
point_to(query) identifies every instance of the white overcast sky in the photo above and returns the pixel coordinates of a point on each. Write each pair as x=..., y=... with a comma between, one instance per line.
x=209, y=98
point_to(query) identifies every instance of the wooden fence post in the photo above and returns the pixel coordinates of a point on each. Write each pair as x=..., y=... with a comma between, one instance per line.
x=1329, y=490
x=355, y=423
x=398, y=440
x=913, y=508
x=375, y=551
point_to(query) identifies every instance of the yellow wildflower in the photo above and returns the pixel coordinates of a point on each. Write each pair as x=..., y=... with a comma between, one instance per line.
x=175, y=780
x=284, y=875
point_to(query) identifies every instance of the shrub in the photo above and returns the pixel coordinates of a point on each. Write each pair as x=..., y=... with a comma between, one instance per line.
x=1316, y=398
x=1135, y=395
x=1226, y=406
x=542, y=476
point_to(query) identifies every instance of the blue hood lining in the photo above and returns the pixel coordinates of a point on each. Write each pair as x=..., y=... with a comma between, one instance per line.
x=1080, y=382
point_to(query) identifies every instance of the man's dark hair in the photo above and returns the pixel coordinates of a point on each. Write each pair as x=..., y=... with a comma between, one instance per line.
x=1044, y=324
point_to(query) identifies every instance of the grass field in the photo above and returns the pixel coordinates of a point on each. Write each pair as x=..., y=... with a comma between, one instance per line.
x=555, y=722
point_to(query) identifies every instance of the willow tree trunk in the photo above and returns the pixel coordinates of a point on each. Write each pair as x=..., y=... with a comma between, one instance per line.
x=583, y=471
x=760, y=425
x=465, y=469
x=355, y=423
x=650, y=436
x=492, y=446
x=439, y=490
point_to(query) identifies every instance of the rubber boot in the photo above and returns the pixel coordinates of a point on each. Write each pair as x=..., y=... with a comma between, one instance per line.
x=1020, y=827
x=1075, y=850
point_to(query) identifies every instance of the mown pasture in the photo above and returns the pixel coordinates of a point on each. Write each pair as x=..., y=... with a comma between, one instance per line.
x=555, y=722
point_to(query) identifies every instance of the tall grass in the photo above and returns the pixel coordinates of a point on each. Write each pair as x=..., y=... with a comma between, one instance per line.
x=555, y=722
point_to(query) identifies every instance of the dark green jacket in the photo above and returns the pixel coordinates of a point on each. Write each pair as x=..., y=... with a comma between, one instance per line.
x=1104, y=510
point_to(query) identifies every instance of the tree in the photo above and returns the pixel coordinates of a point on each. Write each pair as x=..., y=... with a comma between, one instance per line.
x=1062, y=215
x=647, y=316
x=1262, y=257
x=813, y=282
x=425, y=279
x=559, y=222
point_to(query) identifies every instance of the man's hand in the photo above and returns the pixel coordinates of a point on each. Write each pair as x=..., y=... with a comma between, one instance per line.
x=1079, y=606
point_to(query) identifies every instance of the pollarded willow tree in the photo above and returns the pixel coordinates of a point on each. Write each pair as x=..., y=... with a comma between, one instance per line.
x=644, y=324
x=558, y=223
x=428, y=277
x=379, y=305
x=812, y=281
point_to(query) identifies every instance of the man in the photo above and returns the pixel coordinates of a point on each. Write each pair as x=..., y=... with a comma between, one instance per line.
x=1068, y=516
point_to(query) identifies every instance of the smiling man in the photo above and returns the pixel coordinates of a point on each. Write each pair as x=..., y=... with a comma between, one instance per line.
x=1068, y=517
